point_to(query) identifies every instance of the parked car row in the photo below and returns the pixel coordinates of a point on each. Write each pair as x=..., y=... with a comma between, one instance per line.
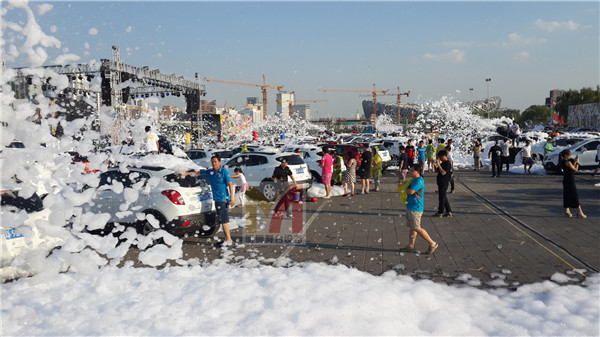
x=586, y=150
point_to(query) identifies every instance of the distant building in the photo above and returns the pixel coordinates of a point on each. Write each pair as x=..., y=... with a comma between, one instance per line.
x=301, y=111
x=252, y=100
x=167, y=112
x=255, y=112
x=283, y=103
x=553, y=99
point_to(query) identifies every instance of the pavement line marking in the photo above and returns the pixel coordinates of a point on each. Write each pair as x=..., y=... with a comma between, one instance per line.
x=289, y=249
x=532, y=238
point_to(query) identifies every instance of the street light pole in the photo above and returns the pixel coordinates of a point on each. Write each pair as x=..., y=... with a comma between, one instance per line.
x=471, y=97
x=488, y=80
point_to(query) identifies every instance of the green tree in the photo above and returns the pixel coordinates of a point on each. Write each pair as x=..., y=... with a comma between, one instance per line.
x=538, y=114
x=574, y=97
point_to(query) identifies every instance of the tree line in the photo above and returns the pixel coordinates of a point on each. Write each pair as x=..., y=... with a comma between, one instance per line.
x=542, y=113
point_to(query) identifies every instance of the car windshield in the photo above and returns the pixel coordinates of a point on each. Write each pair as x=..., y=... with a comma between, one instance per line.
x=567, y=141
x=292, y=159
x=187, y=181
x=224, y=154
x=32, y=204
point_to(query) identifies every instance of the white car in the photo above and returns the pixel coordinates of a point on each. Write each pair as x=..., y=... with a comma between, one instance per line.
x=151, y=198
x=559, y=142
x=312, y=155
x=26, y=233
x=258, y=168
x=383, y=153
x=202, y=157
x=586, y=150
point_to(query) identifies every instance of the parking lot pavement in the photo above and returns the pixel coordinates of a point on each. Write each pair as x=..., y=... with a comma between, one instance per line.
x=505, y=231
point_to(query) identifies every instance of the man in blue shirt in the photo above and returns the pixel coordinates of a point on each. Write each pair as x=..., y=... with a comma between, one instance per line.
x=422, y=155
x=414, y=211
x=222, y=189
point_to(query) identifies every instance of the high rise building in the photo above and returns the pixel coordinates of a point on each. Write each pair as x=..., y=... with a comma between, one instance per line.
x=553, y=99
x=302, y=111
x=283, y=103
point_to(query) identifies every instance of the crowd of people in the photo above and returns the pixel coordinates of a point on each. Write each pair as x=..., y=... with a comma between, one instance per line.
x=413, y=162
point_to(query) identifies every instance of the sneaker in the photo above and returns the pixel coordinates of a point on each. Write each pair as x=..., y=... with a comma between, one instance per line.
x=327, y=197
x=452, y=192
x=447, y=215
x=437, y=215
x=431, y=249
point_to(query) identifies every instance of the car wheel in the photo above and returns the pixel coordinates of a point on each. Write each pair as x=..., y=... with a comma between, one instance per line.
x=316, y=177
x=210, y=226
x=269, y=190
x=144, y=227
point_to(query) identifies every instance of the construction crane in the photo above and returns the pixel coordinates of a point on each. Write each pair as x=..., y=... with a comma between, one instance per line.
x=374, y=92
x=263, y=87
x=398, y=100
x=291, y=102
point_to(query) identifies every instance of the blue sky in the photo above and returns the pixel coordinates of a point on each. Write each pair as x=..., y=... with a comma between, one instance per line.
x=433, y=49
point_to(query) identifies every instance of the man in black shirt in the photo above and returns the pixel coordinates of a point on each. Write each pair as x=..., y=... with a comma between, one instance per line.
x=496, y=153
x=281, y=173
x=403, y=165
x=443, y=179
x=280, y=177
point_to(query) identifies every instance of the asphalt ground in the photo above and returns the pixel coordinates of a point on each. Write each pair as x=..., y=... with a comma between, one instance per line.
x=505, y=231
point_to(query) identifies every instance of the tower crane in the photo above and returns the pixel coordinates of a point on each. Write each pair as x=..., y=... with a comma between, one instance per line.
x=263, y=87
x=374, y=92
x=398, y=100
x=291, y=102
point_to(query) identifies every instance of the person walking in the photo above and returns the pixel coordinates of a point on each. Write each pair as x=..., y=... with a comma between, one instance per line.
x=239, y=174
x=365, y=170
x=350, y=176
x=476, y=149
x=222, y=189
x=402, y=164
x=151, y=141
x=422, y=156
x=410, y=152
x=526, y=157
x=505, y=158
x=377, y=168
x=414, y=211
x=451, y=160
x=280, y=176
x=496, y=152
x=430, y=152
x=326, y=171
x=570, y=196
x=443, y=179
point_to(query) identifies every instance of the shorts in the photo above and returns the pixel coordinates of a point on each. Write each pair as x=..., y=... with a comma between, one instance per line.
x=326, y=178
x=222, y=211
x=527, y=161
x=475, y=156
x=413, y=219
